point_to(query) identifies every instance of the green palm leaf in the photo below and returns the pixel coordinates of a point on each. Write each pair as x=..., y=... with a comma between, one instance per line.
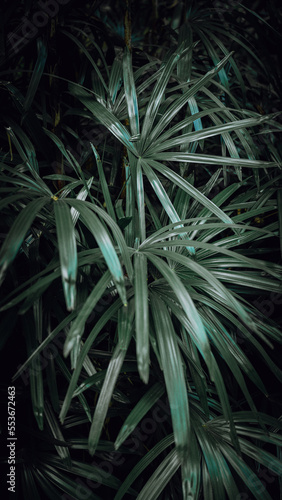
x=191, y=190
x=142, y=464
x=73, y=339
x=130, y=93
x=175, y=384
x=105, y=117
x=160, y=477
x=104, y=241
x=36, y=75
x=139, y=411
x=142, y=315
x=18, y=231
x=125, y=323
x=67, y=251
x=179, y=103
x=83, y=353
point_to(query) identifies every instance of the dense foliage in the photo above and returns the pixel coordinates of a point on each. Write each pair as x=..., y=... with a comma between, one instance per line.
x=141, y=222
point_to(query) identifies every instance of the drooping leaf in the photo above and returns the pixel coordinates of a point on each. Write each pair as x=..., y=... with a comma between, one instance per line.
x=130, y=93
x=76, y=331
x=125, y=324
x=104, y=241
x=175, y=383
x=18, y=231
x=139, y=411
x=67, y=251
x=142, y=315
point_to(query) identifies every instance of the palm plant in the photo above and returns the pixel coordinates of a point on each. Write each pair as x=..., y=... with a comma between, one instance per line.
x=146, y=252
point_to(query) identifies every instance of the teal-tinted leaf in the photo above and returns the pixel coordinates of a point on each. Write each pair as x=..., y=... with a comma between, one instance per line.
x=190, y=351
x=228, y=298
x=104, y=241
x=139, y=411
x=45, y=342
x=199, y=336
x=227, y=477
x=173, y=374
x=65, y=371
x=35, y=375
x=28, y=155
x=161, y=193
x=130, y=93
x=245, y=472
x=67, y=251
x=48, y=487
x=227, y=349
x=24, y=181
x=52, y=271
x=140, y=200
x=66, y=484
x=62, y=149
x=97, y=380
x=215, y=59
x=189, y=308
x=194, y=110
x=208, y=445
x=157, y=95
x=184, y=65
x=14, y=198
x=83, y=353
x=179, y=103
x=215, y=249
x=211, y=160
x=262, y=456
x=160, y=477
x=129, y=232
x=188, y=188
x=115, y=79
x=36, y=75
x=164, y=199
x=179, y=126
x=225, y=403
x=206, y=133
x=18, y=231
x=34, y=291
x=142, y=315
x=90, y=471
x=76, y=331
x=82, y=195
x=105, y=117
x=124, y=249
x=125, y=326
x=63, y=451
x=104, y=184
x=142, y=464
